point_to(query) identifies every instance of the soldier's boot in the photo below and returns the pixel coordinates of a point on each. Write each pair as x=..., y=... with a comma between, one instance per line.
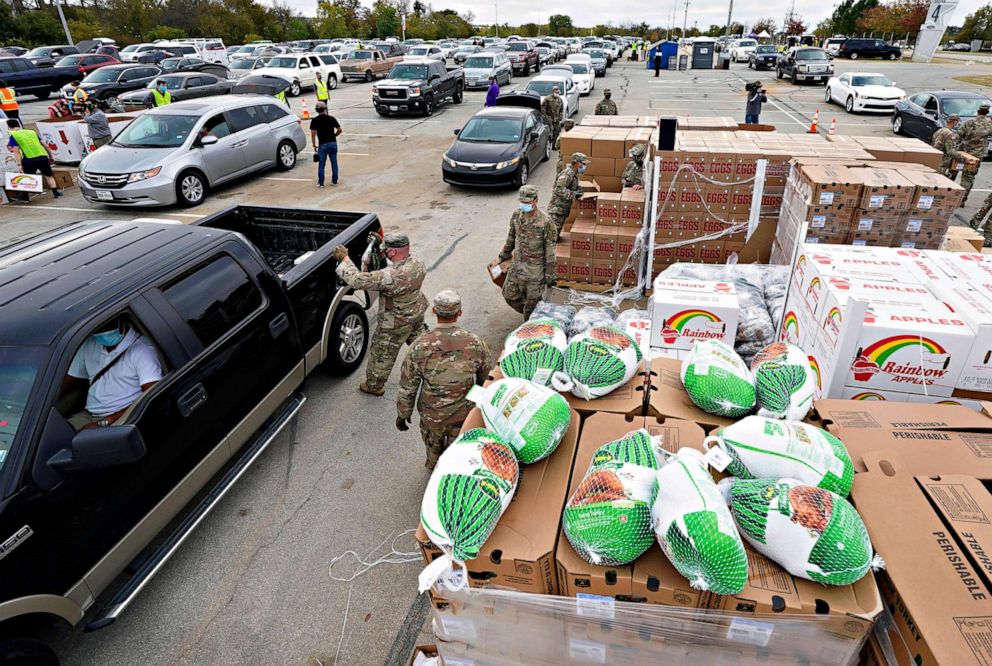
x=371, y=390
x=979, y=218
x=432, y=457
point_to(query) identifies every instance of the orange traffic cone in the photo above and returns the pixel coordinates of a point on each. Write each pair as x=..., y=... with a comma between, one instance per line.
x=833, y=127
x=306, y=111
x=813, y=126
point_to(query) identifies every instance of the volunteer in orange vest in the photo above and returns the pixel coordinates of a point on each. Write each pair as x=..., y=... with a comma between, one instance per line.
x=8, y=101
x=34, y=156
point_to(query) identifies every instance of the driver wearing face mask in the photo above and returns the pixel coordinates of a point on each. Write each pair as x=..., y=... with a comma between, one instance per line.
x=119, y=364
x=567, y=190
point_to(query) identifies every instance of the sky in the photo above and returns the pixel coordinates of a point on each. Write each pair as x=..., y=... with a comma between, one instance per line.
x=590, y=12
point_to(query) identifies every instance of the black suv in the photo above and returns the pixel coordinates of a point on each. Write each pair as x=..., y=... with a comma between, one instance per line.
x=868, y=48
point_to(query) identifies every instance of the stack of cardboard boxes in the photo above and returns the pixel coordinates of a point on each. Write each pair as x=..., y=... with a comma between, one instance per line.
x=590, y=120
x=607, y=149
x=893, y=149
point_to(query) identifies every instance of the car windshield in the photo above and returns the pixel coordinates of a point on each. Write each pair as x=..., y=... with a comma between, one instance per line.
x=411, y=72
x=578, y=67
x=102, y=75
x=242, y=64
x=156, y=130
x=963, y=106
x=359, y=55
x=246, y=49
x=69, y=61
x=171, y=82
x=543, y=88
x=479, y=63
x=596, y=53
x=870, y=81
x=39, y=52
x=746, y=42
x=170, y=62
x=811, y=54
x=18, y=369
x=285, y=63
x=492, y=130
x=766, y=48
x=130, y=49
x=517, y=46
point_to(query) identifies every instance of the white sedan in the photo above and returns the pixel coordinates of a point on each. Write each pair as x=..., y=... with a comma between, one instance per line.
x=860, y=91
x=742, y=48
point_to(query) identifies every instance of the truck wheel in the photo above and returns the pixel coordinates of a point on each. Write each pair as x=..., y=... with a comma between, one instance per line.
x=286, y=156
x=44, y=94
x=294, y=89
x=368, y=76
x=191, y=188
x=428, y=106
x=795, y=79
x=459, y=95
x=348, y=339
x=19, y=651
x=527, y=69
x=332, y=81
x=778, y=72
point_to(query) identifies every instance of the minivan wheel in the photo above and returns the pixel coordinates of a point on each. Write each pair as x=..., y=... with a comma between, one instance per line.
x=348, y=339
x=191, y=188
x=286, y=156
x=26, y=651
x=294, y=89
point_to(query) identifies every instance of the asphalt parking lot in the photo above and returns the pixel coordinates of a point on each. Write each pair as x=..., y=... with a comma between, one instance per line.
x=253, y=584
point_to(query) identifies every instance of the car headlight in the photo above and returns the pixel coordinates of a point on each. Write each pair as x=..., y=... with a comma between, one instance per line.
x=144, y=175
x=375, y=87
x=414, y=92
x=503, y=165
x=447, y=160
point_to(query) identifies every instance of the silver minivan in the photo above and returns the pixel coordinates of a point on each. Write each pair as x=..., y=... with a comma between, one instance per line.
x=176, y=153
x=480, y=66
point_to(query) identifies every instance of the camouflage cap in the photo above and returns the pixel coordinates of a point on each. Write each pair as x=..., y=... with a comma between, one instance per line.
x=396, y=240
x=985, y=105
x=447, y=303
x=527, y=193
x=579, y=157
x=637, y=150
x=607, y=92
x=953, y=116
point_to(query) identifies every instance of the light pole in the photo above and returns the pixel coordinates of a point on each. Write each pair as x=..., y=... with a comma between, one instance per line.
x=685, y=19
x=65, y=26
x=496, y=3
x=730, y=13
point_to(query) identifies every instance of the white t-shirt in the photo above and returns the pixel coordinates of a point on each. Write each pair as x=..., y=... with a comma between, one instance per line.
x=121, y=385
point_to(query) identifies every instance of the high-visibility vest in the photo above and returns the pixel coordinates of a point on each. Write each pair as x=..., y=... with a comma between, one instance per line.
x=80, y=95
x=160, y=99
x=28, y=142
x=281, y=96
x=8, y=99
x=321, y=89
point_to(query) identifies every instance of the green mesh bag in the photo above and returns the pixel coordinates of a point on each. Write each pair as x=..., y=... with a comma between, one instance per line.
x=597, y=362
x=608, y=517
x=695, y=528
x=784, y=381
x=811, y=532
x=534, y=351
x=531, y=418
x=717, y=380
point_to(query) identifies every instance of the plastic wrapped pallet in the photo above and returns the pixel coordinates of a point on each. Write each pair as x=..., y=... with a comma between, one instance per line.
x=563, y=314
x=590, y=317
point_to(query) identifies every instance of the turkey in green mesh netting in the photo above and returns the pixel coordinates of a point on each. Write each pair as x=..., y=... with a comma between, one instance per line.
x=763, y=448
x=608, y=517
x=811, y=532
x=534, y=351
x=469, y=490
x=717, y=379
x=598, y=361
x=530, y=417
x=694, y=526
x=784, y=381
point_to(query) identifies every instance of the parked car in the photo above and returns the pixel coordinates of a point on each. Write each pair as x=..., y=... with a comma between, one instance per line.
x=553, y=49
x=181, y=86
x=428, y=51
x=599, y=60
x=863, y=91
x=176, y=153
x=544, y=56
x=237, y=328
x=582, y=74
x=832, y=45
x=418, y=86
x=479, y=67
x=764, y=56
x=543, y=83
x=131, y=52
x=868, y=48
x=246, y=51
x=193, y=65
x=47, y=56
x=12, y=50
x=522, y=57
x=960, y=46
x=241, y=67
x=499, y=145
x=86, y=63
x=742, y=48
x=366, y=64
x=922, y=114
x=113, y=80
x=301, y=70
x=448, y=48
x=805, y=63
x=26, y=78
x=153, y=57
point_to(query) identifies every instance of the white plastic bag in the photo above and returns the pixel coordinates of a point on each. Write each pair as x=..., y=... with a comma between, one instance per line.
x=531, y=418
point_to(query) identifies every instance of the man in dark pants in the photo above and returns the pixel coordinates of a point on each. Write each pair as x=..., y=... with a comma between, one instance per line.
x=324, y=133
x=657, y=61
x=755, y=98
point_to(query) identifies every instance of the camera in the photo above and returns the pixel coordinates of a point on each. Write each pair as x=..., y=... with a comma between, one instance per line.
x=752, y=86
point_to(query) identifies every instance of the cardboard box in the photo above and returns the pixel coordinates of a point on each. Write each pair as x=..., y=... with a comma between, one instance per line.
x=619, y=165
x=604, y=271
x=628, y=399
x=578, y=140
x=604, y=244
x=608, y=209
x=668, y=398
x=420, y=653
x=837, y=415
x=562, y=261
x=581, y=239
x=684, y=311
x=626, y=239
x=497, y=271
x=885, y=189
x=63, y=178
x=609, y=184
x=609, y=143
x=601, y=167
x=580, y=269
x=631, y=208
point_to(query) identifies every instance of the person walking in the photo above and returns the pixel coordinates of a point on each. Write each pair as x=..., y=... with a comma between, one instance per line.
x=657, y=60
x=160, y=95
x=566, y=190
x=99, y=126
x=440, y=368
x=553, y=110
x=947, y=141
x=566, y=127
x=755, y=98
x=633, y=173
x=8, y=101
x=974, y=136
x=320, y=90
x=606, y=106
x=324, y=132
x=401, y=305
x=34, y=157
x=493, y=92
x=530, y=242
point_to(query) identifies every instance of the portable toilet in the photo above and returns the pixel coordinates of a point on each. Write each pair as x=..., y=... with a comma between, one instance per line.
x=668, y=49
x=703, y=49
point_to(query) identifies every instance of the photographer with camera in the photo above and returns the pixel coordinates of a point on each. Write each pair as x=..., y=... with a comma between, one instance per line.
x=755, y=98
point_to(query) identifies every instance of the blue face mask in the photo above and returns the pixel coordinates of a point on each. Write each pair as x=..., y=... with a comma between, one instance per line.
x=582, y=168
x=526, y=207
x=108, y=338
x=162, y=89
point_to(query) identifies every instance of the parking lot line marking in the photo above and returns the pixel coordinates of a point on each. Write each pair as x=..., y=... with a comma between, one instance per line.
x=387, y=136
x=794, y=119
x=101, y=212
x=295, y=180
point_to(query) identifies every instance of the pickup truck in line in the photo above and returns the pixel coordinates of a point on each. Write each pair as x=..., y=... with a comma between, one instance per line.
x=418, y=86
x=240, y=307
x=26, y=78
x=366, y=64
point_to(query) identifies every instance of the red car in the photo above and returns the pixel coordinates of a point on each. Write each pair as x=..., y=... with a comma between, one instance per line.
x=87, y=62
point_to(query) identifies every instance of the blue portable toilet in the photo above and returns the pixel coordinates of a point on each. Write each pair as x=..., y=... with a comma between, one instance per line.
x=667, y=49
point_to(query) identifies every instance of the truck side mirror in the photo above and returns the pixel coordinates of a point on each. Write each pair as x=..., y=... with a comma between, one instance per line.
x=98, y=448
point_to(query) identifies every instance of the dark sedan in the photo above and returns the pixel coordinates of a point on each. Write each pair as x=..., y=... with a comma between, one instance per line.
x=764, y=56
x=499, y=145
x=922, y=114
x=193, y=65
x=115, y=80
x=182, y=86
x=47, y=56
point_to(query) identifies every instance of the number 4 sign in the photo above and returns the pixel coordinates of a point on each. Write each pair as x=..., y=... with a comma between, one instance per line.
x=939, y=13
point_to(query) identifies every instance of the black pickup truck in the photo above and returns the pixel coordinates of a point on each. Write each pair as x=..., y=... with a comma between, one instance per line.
x=239, y=307
x=418, y=86
x=26, y=78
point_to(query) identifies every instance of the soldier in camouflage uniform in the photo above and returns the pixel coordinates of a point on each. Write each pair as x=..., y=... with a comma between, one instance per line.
x=633, y=173
x=606, y=106
x=946, y=141
x=553, y=109
x=401, y=305
x=531, y=243
x=974, y=136
x=566, y=190
x=437, y=373
x=566, y=126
